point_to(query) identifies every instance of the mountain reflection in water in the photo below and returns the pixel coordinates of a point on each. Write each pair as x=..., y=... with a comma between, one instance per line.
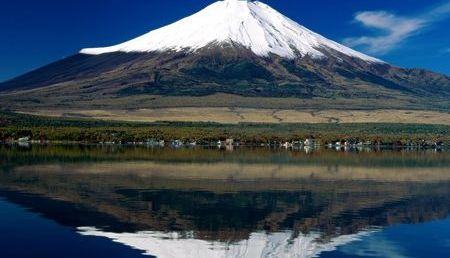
x=216, y=203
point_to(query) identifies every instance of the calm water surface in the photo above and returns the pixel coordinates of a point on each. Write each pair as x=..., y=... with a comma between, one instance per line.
x=91, y=201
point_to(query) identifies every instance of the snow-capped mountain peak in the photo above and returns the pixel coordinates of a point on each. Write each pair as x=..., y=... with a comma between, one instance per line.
x=250, y=24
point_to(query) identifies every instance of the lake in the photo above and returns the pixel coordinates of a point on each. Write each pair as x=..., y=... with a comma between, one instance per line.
x=119, y=201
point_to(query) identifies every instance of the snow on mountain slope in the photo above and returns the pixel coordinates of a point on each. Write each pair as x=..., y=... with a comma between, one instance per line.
x=251, y=24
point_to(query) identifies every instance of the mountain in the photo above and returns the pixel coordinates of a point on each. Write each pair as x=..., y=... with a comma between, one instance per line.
x=250, y=25
x=233, y=53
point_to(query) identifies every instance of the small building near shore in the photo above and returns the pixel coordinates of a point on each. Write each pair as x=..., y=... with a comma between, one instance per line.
x=310, y=141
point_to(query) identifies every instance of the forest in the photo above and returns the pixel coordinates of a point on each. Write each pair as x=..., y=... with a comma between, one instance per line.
x=14, y=126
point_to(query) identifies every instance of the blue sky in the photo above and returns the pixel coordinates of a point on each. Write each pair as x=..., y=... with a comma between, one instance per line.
x=408, y=33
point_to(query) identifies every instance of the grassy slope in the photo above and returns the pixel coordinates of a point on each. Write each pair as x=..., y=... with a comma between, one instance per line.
x=251, y=115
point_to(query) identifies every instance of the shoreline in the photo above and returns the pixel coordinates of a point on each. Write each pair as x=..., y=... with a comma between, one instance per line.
x=349, y=148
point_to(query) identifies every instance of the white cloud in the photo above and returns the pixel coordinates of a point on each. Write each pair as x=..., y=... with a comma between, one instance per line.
x=391, y=29
x=439, y=12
